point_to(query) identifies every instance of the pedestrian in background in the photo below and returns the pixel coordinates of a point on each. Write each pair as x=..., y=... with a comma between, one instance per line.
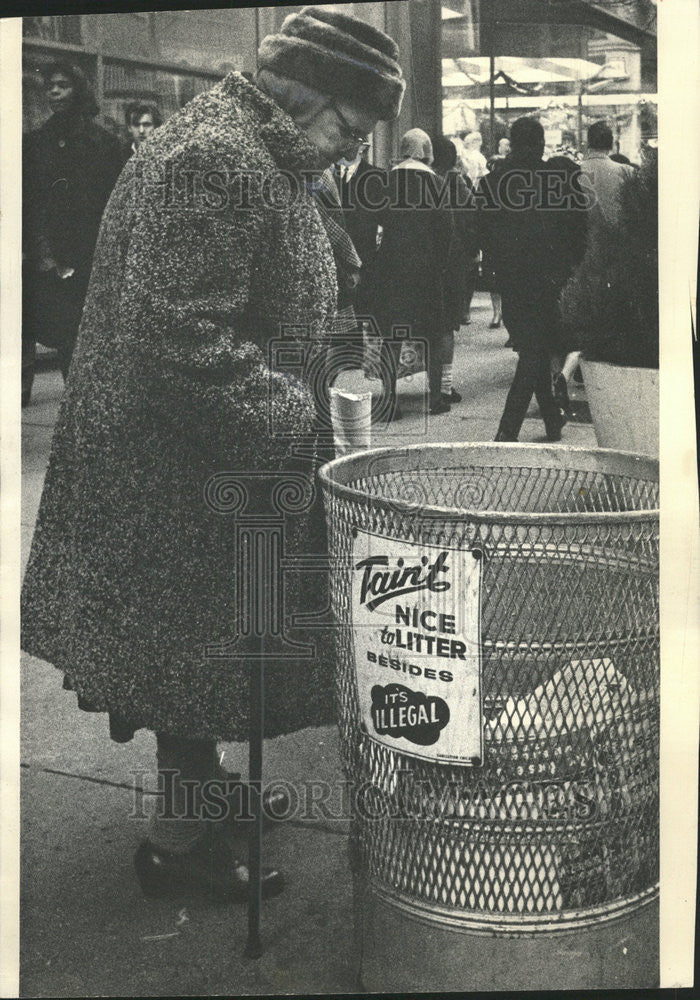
x=475, y=167
x=604, y=178
x=473, y=160
x=407, y=281
x=533, y=229
x=463, y=253
x=502, y=152
x=362, y=187
x=69, y=168
x=603, y=175
x=132, y=575
x=494, y=164
x=141, y=121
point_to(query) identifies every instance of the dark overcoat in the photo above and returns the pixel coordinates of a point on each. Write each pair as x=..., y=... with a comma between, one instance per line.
x=532, y=224
x=132, y=580
x=361, y=197
x=69, y=168
x=458, y=196
x=407, y=280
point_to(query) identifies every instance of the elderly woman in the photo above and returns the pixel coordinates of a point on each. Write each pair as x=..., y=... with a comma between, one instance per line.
x=211, y=247
x=70, y=166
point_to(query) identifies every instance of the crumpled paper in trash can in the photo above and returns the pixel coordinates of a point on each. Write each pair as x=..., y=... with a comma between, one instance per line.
x=585, y=695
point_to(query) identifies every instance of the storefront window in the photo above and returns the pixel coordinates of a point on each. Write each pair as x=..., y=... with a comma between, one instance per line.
x=64, y=28
x=566, y=75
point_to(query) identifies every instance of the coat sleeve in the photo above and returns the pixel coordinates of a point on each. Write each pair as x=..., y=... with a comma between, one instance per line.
x=113, y=160
x=578, y=221
x=465, y=217
x=486, y=219
x=190, y=266
x=35, y=242
x=444, y=235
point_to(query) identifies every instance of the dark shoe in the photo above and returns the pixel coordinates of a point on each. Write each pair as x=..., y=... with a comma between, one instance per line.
x=502, y=436
x=561, y=393
x=209, y=870
x=451, y=397
x=439, y=407
x=578, y=375
x=553, y=432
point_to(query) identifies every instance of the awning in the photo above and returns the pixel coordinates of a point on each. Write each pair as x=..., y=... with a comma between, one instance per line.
x=474, y=71
x=633, y=22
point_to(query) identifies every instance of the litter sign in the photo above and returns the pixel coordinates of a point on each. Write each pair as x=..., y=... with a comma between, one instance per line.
x=416, y=613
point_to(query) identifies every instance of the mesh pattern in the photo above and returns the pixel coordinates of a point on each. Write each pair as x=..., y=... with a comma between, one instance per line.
x=563, y=814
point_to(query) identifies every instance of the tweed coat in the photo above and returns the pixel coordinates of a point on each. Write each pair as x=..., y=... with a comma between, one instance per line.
x=132, y=574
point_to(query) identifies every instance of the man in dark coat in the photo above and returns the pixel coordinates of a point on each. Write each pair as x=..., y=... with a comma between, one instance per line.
x=211, y=247
x=362, y=187
x=533, y=230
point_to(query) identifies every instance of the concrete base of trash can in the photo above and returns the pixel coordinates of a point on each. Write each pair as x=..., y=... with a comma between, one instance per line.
x=413, y=952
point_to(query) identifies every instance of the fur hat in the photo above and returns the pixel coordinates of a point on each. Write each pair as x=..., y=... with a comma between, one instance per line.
x=338, y=55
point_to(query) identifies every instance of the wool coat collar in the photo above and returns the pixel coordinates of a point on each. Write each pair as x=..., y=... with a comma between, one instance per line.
x=284, y=140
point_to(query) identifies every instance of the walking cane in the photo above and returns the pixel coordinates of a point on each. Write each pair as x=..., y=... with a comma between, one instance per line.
x=256, y=580
x=254, y=947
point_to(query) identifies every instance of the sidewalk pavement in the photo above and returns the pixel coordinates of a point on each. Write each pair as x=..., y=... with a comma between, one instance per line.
x=86, y=929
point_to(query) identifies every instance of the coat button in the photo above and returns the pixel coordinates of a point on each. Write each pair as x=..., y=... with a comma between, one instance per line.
x=61, y=143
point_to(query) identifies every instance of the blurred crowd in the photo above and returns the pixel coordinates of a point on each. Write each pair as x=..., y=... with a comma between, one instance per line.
x=516, y=223
x=411, y=244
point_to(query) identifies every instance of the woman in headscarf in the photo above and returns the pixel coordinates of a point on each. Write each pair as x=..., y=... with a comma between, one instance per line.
x=409, y=270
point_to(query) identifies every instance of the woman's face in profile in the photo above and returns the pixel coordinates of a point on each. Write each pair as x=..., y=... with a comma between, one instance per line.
x=60, y=92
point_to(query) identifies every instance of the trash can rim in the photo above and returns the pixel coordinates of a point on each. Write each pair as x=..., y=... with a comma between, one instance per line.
x=486, y=922
x=645, y=465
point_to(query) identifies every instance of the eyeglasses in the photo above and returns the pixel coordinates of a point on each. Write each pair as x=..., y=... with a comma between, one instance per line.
x=348, y=131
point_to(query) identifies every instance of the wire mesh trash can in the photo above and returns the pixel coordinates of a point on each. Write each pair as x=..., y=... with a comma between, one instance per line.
x=498, y=682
